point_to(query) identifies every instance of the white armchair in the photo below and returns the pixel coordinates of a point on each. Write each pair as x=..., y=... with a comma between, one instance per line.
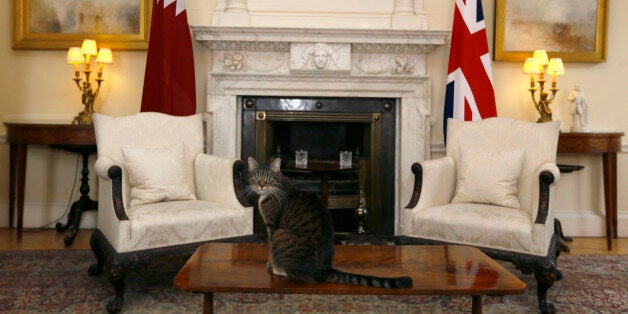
x=493, y=190
x=159, y=194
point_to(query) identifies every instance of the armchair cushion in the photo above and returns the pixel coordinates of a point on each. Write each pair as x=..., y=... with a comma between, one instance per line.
x=489, y=177
x=481, y=225
x=158, y=174
x=179, y=222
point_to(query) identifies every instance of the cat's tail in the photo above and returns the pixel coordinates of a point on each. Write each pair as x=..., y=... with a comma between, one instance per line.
x=338, y=276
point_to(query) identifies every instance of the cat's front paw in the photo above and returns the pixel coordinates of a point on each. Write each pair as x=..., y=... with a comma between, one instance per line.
x=275, y=270
x=279, y=272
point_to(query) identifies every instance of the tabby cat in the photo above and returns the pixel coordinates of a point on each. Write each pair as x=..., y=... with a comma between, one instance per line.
x=300, y=231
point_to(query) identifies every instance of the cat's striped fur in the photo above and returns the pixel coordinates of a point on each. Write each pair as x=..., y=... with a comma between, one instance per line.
x=300, y=231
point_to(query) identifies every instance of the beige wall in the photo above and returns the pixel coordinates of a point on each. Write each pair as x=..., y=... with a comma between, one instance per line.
x=38, y=83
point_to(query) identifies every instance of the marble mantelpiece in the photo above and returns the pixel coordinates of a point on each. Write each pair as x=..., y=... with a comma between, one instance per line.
x=311, y=62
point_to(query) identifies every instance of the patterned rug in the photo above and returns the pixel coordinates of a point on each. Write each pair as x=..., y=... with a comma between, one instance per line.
x=57, y=281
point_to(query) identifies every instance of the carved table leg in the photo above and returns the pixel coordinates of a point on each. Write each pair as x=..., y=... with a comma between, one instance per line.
x=325, y=189
x=16, y=188
x=610, y=190
x=476, y=304
x=613, y=181
x=609, y=161
x=12, y=182
x=208, y=303
x=80, y=206
x=83, y=204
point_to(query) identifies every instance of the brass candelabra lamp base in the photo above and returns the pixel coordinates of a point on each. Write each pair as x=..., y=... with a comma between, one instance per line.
x=545, y=99
x=542, y=119
x=87, y=98
x=543, y=107
x=84, y=117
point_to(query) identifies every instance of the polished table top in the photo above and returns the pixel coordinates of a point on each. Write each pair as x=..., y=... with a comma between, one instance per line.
x=50, y=133
x=435, y=269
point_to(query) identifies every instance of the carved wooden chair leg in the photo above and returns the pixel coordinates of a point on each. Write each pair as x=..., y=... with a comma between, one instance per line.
x=96, y=269
x=559, y=249
x=558, y=229
x=118, y=280
x=545, y=276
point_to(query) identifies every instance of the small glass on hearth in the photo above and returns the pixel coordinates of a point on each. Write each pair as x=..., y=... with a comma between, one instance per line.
x=300, y=158
x=345, y=159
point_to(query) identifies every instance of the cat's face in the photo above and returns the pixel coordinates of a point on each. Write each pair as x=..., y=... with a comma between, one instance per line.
x=264, y=180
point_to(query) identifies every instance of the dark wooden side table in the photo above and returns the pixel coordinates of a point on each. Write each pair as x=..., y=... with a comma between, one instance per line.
x=323, y=170
x=339, y=190
x=607, y=144
x=75, y=138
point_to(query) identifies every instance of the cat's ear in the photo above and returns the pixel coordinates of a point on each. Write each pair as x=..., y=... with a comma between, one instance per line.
x=252, y=164
x=275, y=165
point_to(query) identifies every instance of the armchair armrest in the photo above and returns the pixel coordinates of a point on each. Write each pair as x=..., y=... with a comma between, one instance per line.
x=219, y=179
x=102, y=165
x=548, y=174
x=434, y=182
x=108, y=170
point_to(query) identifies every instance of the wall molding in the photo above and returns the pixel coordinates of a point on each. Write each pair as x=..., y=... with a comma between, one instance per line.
x=589, y=223
x=36, y=214
x=439, y=147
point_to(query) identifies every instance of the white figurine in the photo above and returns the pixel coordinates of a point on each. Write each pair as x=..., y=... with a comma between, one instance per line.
x=580, y=109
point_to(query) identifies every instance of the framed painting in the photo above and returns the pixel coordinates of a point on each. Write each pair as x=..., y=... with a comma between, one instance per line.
x=60, y=24
x=574, y=30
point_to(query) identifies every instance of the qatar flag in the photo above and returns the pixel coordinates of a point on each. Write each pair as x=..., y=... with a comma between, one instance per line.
x=169, y=85
x=469, y=93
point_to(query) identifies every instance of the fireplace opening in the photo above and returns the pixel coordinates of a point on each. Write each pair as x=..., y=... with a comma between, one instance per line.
x=322, y=140
x=278, y=126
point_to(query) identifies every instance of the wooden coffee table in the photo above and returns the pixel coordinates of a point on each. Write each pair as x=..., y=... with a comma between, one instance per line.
x=435, y=270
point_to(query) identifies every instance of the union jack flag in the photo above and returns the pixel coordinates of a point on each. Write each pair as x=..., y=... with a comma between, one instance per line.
x=469, y=94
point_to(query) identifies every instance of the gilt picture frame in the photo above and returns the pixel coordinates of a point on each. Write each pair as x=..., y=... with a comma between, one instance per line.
x=574, y=30
x=60, y=24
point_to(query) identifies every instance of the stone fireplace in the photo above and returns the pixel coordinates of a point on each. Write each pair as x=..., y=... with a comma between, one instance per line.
x=249, y=62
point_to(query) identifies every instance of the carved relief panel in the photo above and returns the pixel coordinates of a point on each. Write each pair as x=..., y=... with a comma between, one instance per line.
x=387, y=59
x=251, y=62
x=320, y=57
x=250, y=57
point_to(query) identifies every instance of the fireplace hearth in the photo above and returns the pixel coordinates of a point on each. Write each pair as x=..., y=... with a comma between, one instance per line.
x=277, y=126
